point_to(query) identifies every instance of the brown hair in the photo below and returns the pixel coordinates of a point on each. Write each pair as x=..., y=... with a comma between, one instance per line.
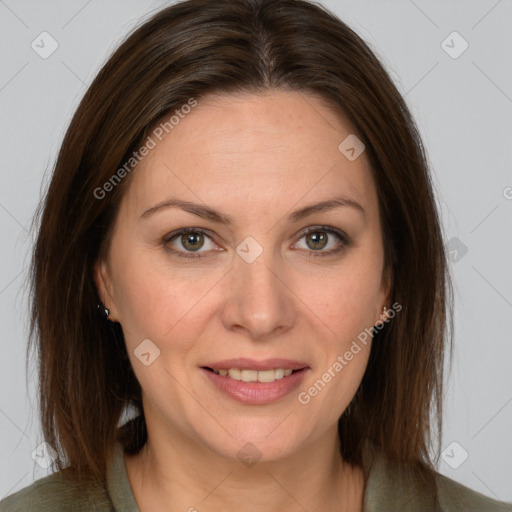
x=186, y=51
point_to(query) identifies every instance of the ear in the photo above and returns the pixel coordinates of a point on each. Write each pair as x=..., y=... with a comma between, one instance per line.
x=103, y=282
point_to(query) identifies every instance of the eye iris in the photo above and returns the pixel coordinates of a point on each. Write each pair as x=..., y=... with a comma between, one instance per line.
x=317, y=237
x=192, y=241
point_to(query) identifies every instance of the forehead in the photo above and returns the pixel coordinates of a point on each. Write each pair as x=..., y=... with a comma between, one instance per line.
x=254, y=147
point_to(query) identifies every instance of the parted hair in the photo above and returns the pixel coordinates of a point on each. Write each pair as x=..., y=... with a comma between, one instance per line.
x=189, y=50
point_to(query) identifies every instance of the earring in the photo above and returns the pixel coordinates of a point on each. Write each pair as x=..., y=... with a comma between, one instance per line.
x=382, y=317
x=103, y=310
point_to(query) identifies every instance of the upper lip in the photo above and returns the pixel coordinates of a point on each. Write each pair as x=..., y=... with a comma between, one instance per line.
x=253, y=364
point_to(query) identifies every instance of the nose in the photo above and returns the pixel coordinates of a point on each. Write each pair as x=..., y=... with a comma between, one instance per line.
x=259, y=300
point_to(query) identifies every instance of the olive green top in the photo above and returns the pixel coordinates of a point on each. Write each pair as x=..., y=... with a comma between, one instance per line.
x=389, y=488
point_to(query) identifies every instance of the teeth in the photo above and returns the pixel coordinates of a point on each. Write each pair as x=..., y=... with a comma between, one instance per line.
x=254, y=375
x=235, y=373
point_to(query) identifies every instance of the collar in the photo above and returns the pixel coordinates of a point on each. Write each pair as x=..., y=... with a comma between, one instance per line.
x=392, y=486
x=118, y=484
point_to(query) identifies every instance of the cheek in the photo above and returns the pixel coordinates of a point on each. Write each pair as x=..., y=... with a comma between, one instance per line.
x=346, y=303
x=160, y=300
x=161, y=305
x=332, y=388
x=344, y=299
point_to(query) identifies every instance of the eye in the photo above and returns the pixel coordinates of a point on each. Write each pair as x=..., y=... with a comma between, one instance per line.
x=189, y=241
x=196, y=243
x=318, y=238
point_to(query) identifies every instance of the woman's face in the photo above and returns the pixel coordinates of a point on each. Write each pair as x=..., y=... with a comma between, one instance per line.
x=258, y=287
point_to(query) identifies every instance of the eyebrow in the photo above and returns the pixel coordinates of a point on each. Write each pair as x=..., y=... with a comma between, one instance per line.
x=208, y=213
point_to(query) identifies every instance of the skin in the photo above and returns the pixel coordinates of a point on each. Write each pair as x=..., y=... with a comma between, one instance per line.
x=255, y=158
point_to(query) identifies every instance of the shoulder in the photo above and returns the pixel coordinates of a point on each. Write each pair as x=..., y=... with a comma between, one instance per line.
x=56, y=493
x=395, y=486
x=454, y=496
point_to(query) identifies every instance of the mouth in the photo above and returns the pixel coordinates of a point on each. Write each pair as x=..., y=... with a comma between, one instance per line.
x=252, y=375
x=267, y=384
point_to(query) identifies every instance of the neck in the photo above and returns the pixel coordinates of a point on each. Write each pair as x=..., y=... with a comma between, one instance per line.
x=193, y=477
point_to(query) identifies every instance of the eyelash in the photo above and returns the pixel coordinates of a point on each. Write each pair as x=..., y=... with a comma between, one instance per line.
x=345, y=241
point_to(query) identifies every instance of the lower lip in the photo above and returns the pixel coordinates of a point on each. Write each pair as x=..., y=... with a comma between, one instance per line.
x=257, y=393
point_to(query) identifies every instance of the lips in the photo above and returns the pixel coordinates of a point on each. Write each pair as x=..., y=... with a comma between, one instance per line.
x=256, y=393
x=253, y=364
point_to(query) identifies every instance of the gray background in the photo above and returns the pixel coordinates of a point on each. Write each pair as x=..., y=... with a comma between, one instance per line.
x=463, y=107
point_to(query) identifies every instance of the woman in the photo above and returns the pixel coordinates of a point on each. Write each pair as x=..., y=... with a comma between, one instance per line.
x=243, y=196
